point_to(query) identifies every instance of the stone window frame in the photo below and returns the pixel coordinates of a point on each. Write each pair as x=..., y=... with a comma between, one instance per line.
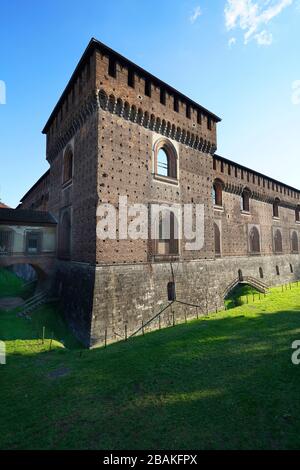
x=274, y=232
x=10, y=233
x=218, y=188
x=173, y=161
x=164, y=257
x=297, y=214
x=67, y=256
x=276, y=205
x=245, y=201
x=250, y=228
x=291, y=239
x=217, y=224
x=67, y=179
x=32, y=231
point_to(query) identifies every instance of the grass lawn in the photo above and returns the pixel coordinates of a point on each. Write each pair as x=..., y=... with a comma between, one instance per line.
x=238, y=295
x=223, y=382
x=13, y=286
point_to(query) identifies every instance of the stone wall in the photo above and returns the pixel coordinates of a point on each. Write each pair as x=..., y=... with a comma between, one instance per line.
x=112, y=126
x=131, y=295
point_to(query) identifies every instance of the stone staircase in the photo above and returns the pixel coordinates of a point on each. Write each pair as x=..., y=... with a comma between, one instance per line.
x=33, y=302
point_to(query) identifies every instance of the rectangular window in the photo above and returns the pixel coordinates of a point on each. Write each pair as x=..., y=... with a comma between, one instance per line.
x=176, y=104
x=188, y=111
x=163, y=96
x=147, y=88
x=131, y=78
x=199, y=117
x=209, y=123
x=5, y=242
x=112, y=67
x=33, y=242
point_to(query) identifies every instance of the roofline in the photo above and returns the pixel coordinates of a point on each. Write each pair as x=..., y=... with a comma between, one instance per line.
x=35, y=185
x=262, y=175
x=24, y=222
x=94, y=44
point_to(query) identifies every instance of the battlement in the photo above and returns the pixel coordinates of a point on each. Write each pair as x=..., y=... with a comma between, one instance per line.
x=102, y=68
x=237, y=177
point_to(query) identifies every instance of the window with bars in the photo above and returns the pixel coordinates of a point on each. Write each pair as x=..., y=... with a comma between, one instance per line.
x=33, y=242
x=5, y=242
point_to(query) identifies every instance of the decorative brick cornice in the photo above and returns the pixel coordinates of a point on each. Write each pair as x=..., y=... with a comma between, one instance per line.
x=238, y=189
x=130, y=113
x=88, y=108
x=161, y=126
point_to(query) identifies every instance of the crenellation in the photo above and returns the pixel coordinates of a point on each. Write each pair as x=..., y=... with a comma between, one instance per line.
x=115, y=119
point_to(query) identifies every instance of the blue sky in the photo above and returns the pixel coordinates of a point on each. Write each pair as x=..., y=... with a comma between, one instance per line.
x=238, y=58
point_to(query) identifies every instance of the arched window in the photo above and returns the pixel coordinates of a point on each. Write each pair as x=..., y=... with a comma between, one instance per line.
x=68, y=165
x=119, y=107
x=277, y=241
x=217, y=193
x=254, y=241
x=165, y=159
x=261, y=273
x=111, y=103
x=217, y=240
x=167, y=243
x=64, y=248
x=103, y=99
x=245, y=200
x=295, y=242
x=276, y=208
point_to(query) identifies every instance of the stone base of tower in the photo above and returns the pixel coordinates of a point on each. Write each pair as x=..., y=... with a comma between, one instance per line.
x=108, y=303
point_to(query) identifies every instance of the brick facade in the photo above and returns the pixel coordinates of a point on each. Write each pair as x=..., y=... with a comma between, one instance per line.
x=112, y=125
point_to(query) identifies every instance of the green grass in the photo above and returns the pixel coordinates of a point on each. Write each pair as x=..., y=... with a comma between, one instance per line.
x=13, y=286
x=223, y=382
x=237, y=296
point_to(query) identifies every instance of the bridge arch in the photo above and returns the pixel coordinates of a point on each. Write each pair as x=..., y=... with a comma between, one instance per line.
x=245, y=280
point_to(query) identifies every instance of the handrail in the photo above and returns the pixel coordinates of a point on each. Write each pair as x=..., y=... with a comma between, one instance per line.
x=152, y=319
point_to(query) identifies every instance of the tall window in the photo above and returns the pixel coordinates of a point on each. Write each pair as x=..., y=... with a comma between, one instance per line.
x=162, y=163
x=217, y=240
x=254, y=241
x=277, y=241
x=295, y=242
x=65, y=235
x=217, y=193
x=6, y=242
x=261, y=273
x=276, y=208
x=33, y=242
x=167, y=243
x=68, y=165
x=245, y=200
x=297, y=214
x=165, y=160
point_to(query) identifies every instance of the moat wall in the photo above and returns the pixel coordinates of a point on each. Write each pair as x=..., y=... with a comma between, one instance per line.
x=114, y=301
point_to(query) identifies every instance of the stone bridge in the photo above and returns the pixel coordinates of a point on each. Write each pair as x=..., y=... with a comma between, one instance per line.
x=43, y=264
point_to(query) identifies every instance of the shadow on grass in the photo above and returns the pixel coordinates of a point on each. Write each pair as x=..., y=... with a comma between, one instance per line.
x=222, y=383
x=48, y=317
